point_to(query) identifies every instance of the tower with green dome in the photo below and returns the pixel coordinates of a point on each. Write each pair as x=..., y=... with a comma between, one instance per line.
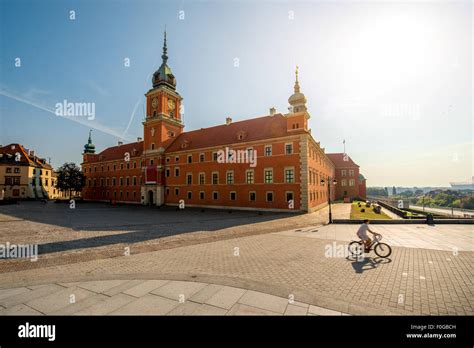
x=89, y=147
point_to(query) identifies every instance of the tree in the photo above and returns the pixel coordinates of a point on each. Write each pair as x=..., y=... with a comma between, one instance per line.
x=406, y=193
x=394, y=191
x=375, y=191
x=70, y=178
x=418, y=192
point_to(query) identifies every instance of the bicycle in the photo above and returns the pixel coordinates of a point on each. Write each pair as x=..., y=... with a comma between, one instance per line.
x=356, y=248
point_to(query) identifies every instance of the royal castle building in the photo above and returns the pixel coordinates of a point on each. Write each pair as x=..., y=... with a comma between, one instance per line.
x=266, y=163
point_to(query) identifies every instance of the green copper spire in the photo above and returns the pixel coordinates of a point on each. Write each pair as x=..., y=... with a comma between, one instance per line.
x=89, y=147
x=164, y=76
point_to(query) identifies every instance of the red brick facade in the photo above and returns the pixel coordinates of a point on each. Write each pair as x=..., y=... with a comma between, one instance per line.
x=172, y=167
x=350, y=183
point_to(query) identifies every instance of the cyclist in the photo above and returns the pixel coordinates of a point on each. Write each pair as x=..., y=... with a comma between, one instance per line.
x=362, y=234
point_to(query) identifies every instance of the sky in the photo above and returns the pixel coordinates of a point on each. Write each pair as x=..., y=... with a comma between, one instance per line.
x=392, y=79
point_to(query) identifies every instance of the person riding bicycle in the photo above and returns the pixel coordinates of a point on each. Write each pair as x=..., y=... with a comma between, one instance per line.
x=362, y=234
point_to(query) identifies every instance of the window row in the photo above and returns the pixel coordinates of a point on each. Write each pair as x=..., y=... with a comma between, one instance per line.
x=315, y=177
x=12, y=180
x=15, y=170
x=252, y=195
x=107, y=194
x=113, y=167
x=289, y=175
x=267, y=151
x=127, y=181
x=344, y=182
x=344, y=172
x=315, y=195
x=45, y=182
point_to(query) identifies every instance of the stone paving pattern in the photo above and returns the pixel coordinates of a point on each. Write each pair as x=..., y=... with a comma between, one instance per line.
x=148, y=297
x=417, y=279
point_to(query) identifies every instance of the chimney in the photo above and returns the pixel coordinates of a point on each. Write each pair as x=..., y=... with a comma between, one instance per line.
x=272, y=111
x=32, y=153
x=228, y=120
x=120, y=143
x=139, y=139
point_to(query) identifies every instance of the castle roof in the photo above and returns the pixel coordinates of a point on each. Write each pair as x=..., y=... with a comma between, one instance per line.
x=339, y=160
x=117, y=152
x=245, y=131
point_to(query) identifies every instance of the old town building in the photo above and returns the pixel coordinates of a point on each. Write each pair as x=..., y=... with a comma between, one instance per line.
x=267, y=163
x=23, y=175
x=350, y=182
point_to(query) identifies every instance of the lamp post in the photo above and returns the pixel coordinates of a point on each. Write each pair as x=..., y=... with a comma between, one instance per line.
x=329, y=194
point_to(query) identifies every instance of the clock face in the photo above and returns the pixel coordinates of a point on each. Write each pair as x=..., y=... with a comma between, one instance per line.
x=171, y=104
x=154, y=103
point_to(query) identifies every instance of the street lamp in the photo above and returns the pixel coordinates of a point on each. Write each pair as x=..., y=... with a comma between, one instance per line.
x=329, y=194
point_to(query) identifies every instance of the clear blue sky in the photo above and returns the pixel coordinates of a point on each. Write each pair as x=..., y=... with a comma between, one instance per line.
x=394, y=80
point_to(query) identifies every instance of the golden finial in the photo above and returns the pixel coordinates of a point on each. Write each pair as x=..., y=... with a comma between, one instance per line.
x=297, y=85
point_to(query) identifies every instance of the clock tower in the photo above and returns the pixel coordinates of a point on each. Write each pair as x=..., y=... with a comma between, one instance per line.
x=163, y=117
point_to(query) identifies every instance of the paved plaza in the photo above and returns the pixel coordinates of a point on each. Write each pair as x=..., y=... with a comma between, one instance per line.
x=260, y=264
x=148, y=297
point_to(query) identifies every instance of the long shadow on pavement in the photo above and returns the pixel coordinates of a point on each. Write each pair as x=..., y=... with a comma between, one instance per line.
x=367, y=263
x=132, y=223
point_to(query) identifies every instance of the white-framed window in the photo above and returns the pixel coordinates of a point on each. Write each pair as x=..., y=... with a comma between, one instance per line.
x=289, y=175
x=230, y=177
x=249, y=176
x=201, y=157
x=268, y=176
x=215, y=195
x=288, y=148
x=343, y=172
x=289, y=196
x=343, y=182
x=190, y=158
x=189, y=179
x=176, y=171
x=268, y=150
x=351, y=182
x=351, y=172
x=202, y=178
x=215, y=178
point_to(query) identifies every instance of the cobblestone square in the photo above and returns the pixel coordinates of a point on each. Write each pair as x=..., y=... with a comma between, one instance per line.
x=214, y=262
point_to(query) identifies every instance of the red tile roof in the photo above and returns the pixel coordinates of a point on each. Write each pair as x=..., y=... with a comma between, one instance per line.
x=338, y=160
x=8, y=153
x=260, y=128
x=118, y=152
